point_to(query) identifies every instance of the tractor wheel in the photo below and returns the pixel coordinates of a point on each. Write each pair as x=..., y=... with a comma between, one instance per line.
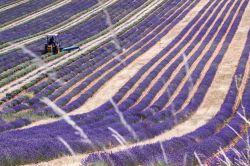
x=55, y=50
x=45, y=49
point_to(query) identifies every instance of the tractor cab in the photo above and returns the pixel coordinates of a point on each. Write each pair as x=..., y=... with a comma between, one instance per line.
x=52, y=44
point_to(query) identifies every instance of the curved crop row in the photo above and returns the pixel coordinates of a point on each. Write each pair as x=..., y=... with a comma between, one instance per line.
x=82, y=28
x=204, y=141
x=46, y=21
x=22, y=10
x=83, y=74
x=166, y=92
x=142, y=126
x=4, y=2
x=8, y=4
x=61, y=58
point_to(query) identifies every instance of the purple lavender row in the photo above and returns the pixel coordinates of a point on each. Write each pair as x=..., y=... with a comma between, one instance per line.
x=100, y=52
x=142, y=104
x=71, y=133
x=174, y=148
x=4, y=2
x=137, y=93
x=190, y=108
x=5, y=126
x=45, y=21
x=74, y=35
x=2, y=121
x=78, y=65
x=83, y=74
x=78, y=89
x=176, y=144
x=67, y=73
x=82, y=99
x=226, y=109
x=22, y=10
x=219, y=139
x=180, y=99
x=117, y=97
x=237, y=154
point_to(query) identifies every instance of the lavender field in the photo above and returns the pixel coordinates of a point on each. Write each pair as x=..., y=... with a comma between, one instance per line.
x=151, y=83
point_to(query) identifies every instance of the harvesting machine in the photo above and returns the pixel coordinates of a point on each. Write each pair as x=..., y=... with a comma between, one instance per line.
x=53, y=45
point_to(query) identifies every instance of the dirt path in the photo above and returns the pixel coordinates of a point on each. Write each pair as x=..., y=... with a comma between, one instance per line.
x=13, y=5
x=59, y=61
x=45, y=10
x=210, y=106
x=66, y=25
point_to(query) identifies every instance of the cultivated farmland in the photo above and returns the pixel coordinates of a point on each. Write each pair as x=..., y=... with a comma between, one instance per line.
x=124, y=82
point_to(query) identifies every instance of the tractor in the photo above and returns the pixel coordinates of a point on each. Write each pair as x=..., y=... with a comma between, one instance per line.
x=53, y=45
